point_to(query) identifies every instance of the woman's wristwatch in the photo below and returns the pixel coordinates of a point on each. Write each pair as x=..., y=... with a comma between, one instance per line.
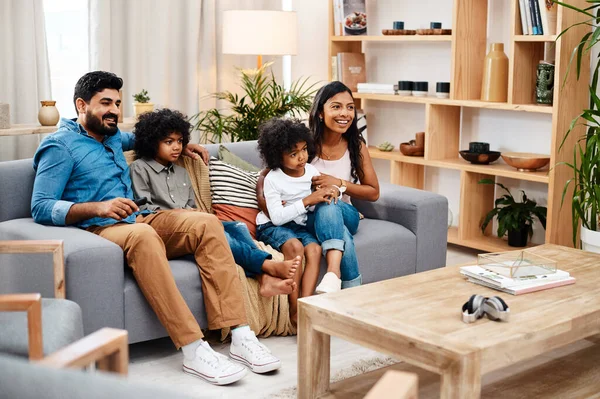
x=342, y=187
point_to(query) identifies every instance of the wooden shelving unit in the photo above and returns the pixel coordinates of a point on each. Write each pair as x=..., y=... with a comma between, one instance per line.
x=29, y=129
x=443, y=116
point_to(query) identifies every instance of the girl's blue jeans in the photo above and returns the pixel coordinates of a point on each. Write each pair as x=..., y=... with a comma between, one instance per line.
x=244, y=250
x=334, y=226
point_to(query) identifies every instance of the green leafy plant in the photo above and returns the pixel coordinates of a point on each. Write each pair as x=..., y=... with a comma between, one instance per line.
x=141, y=97
x=512, y=215
x=585, y=205
x=263, y=98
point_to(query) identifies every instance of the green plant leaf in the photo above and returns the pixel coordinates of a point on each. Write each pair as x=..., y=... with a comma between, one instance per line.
x=261, y=99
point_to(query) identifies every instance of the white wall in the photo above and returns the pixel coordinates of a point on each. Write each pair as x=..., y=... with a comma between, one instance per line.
x=390, y=62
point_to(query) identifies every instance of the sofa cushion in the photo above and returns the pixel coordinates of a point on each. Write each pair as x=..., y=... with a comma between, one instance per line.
x=384, y=250
x=234, y=188
x=230, y=158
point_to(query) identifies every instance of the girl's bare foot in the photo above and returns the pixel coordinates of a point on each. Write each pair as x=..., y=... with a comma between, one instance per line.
x=284, y=269
x=271, y=286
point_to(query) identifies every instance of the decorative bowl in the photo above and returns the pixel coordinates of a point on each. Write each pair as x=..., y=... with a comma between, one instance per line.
x=412, y=150
x=526, y=161
x=480, y=158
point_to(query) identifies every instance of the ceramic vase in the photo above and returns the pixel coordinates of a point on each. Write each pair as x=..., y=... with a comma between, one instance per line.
x=494, y=87
x=544, y=85
x=48, y=114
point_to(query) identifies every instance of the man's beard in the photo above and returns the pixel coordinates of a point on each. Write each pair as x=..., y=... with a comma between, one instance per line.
x=95, y=125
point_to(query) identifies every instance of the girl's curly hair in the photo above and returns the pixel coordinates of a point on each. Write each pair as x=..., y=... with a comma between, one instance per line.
x=278, y=136
x=352, y=136
x=154, y=126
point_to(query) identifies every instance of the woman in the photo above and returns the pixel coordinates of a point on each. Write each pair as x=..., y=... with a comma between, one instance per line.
x=345, y=165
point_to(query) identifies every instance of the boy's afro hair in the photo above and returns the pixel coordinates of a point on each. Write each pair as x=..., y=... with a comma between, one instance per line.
x=154, y=126
x=278, y=136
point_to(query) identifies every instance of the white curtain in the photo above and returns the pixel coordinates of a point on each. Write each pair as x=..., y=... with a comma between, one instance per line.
x=24, y=70
x=170, y=48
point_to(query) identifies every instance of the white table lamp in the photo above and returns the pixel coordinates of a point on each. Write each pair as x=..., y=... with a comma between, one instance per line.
x=260, y=32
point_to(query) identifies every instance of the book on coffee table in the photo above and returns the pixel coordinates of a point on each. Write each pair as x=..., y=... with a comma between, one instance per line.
x=518, y=285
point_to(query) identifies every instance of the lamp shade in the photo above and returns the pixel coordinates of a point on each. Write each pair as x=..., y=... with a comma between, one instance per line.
x=260, y=32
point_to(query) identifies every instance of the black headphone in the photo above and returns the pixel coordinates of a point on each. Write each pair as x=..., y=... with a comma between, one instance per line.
x=477, y=306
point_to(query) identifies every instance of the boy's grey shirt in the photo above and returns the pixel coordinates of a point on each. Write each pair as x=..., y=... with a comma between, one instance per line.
x=166, y=187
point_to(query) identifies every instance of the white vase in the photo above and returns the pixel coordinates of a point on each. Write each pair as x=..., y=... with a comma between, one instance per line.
x=48, y=114
x=590, y=240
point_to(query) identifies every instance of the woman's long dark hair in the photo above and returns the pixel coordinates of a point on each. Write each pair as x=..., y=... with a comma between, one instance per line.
x=352, y=135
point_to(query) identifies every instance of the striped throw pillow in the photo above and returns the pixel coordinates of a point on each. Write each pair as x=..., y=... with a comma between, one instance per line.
x=230, y=185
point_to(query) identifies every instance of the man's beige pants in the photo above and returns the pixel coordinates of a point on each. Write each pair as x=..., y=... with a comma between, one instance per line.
x=152, y=240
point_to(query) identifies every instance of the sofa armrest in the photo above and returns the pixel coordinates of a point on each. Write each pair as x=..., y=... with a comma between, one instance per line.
x=94, y=270
x=422, y=212
x=107, y=347
x=32, y=304
x=54, y=247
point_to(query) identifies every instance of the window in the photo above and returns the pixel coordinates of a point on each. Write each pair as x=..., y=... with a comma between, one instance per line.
x=67, y=39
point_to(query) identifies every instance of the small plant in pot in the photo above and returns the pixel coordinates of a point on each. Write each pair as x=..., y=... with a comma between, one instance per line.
x=142, y=103
x=514, y=218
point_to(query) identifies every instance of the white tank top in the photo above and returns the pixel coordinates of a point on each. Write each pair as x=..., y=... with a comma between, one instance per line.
x=340, y=168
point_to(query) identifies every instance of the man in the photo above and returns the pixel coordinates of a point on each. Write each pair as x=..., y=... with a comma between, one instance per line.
x=82, y=179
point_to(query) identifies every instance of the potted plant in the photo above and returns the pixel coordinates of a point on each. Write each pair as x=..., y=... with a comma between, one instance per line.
x=142, y=103
x=585, y=205
x=514, y=218
x=262, y=99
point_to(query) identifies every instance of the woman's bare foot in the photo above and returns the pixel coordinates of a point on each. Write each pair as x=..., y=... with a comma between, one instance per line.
x=284, y=269
x=271, y=286
x=294, y=318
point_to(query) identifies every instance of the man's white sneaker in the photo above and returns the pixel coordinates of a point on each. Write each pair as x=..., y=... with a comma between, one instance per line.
x=213, y=367
x=329, y=283
x=253, y=354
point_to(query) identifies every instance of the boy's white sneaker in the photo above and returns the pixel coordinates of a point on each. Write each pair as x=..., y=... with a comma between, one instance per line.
x=212, y=366
x=329, y=283
x=250, y=352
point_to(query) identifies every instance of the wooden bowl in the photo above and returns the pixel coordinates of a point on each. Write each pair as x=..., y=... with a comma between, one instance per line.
x=412, y=150
x=480, y=158
x=526, y=161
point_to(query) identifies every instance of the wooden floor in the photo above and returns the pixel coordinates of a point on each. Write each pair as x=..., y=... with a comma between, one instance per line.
x=158, y=363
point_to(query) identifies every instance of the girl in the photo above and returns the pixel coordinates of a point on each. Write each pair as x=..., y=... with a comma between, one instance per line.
x=286, y=146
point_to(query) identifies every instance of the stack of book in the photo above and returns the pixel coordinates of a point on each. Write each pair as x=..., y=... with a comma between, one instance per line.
x=516, y=285
x=375, y=88
x=538, y=17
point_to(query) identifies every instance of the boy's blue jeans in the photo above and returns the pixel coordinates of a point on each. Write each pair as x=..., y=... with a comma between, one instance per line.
x=245, y=252
x=334, y=225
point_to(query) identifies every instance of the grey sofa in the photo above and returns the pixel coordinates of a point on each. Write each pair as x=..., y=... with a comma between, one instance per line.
x=404, y=232
x=24, y=380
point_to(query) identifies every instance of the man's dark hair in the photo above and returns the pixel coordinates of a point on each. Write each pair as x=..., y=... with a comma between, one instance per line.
x=278, y=136
x=154, y=126
x=94, y=82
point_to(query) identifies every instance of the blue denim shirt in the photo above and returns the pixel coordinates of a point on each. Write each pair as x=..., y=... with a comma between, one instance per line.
x=72, y=167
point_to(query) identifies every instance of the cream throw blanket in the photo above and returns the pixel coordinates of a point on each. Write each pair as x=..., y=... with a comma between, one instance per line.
x=266, y=316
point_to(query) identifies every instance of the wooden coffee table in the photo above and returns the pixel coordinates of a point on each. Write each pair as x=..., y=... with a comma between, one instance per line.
x=417, y=319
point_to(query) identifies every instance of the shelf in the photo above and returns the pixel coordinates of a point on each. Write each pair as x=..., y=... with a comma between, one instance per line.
x=535, y=38
x=544, y=109
x=484, y=243
x=498, y=169
x=393, y=38
x=32, y=128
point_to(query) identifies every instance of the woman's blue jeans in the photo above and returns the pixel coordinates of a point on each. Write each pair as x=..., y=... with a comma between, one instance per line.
x=244, y=250
x=334, y=225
